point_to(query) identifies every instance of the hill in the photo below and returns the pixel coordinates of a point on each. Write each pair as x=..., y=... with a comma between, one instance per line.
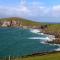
x=22, y=21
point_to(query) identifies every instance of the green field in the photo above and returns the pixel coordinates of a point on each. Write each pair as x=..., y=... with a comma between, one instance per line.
x=55, y=56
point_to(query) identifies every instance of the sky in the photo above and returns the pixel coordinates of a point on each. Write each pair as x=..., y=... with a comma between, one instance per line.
x=36, y=10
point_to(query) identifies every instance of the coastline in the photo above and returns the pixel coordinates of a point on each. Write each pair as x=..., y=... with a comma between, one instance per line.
x=53, y=39
x=49, y=37
x=56, y=40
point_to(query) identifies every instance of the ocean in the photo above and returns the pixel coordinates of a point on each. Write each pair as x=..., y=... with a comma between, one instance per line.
x=20, y=42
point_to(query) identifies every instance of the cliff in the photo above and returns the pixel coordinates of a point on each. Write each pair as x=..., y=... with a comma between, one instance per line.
x=53, y=29
x=18, y=22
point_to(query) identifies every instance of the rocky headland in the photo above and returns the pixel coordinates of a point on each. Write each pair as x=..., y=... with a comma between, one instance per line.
x=53, y=29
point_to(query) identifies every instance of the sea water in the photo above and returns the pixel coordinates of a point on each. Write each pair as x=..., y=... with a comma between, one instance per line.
x=20, y=42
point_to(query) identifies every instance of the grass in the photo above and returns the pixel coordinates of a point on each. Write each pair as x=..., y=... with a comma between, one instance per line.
x=55, y=56
x=23, y=21
x=52, y=28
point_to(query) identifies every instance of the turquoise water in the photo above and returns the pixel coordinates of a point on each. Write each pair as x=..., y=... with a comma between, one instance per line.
x=15, y=41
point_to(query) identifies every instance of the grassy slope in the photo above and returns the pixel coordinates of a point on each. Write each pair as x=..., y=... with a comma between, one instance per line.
x=55, y=56
x=24, y=21
x=54, y=27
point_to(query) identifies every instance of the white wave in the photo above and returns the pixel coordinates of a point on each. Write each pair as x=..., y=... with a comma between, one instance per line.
x=58, y=49
x=42, y=38
x=34, y=30
x=34, y=38
x=43, y=42
x=42, y=33
x=37, y=31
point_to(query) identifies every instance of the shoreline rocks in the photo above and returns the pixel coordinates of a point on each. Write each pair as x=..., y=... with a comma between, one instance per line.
x=57, y=37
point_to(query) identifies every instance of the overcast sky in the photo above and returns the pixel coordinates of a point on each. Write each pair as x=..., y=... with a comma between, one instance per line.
x=37, y=10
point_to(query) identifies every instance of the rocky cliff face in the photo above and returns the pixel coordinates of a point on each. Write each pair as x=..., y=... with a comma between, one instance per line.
x=8, y=22
x=11, y=23
x=55, y=33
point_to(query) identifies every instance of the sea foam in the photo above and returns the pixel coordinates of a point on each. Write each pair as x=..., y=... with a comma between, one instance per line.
x=43, y=40
x=35, y=30
x=58, y=49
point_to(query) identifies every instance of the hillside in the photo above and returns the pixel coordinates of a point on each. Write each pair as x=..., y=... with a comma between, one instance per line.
x=22, y=21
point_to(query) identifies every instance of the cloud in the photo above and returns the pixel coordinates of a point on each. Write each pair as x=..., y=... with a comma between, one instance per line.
x=56, y=10
x=23, y=9
x=32, y=9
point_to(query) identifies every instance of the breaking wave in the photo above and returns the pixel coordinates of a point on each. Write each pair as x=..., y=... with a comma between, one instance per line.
x=58, y=49
x=36, y=31
x=44, y=39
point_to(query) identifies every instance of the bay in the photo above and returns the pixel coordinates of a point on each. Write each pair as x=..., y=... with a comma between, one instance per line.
x=16, y=42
